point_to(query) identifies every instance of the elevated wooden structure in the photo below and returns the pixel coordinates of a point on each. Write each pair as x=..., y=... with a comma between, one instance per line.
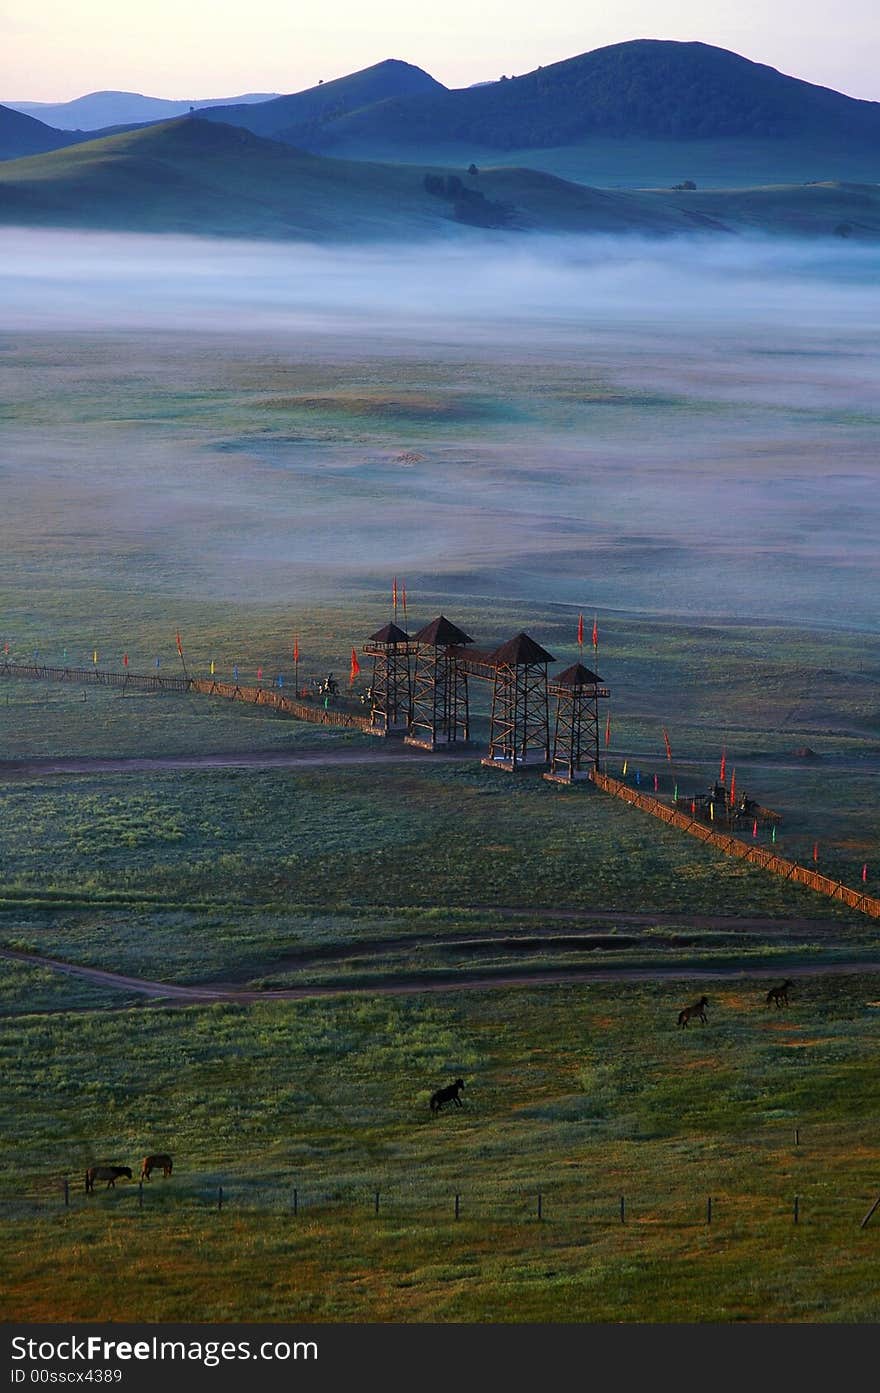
x=440, y=704
x=391, y=687
x=519, y=730
x=575, y=748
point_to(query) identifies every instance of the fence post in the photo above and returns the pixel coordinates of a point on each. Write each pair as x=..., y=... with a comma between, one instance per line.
x=140, y=1194
x=65, y=1185
x=797, y=1208
x=540, y=1208
x=797, y=1136
x=220, y=1197
x=457, y=1198
x=295, y=1200
x=622, y=1209
x=867, y=1218
x=377, y=1201
x=709, y=1210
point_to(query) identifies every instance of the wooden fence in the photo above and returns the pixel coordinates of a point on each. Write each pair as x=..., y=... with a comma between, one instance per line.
x=733, y=846
x=315, y=712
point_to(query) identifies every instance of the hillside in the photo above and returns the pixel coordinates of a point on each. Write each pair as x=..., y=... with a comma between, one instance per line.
x=648, y=88
x=99, y=109
x=23, y=135
x=310, y=111
x=197, y=177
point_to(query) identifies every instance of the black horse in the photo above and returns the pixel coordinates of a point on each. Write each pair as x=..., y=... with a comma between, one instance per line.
x=447, y=1095
x=778, y=996
x=697, y=1008
x=109, y=1173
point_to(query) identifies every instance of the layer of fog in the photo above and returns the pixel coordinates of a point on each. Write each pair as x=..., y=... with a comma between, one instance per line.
x=74, y=280
x=681, y=426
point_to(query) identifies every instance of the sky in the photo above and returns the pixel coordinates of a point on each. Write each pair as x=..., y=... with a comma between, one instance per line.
x=54, y=50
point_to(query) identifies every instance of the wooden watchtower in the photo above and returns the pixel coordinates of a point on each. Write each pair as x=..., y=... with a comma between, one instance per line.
x=391, y=686
x=440, y=707
x=578, y=692
x=519, y=732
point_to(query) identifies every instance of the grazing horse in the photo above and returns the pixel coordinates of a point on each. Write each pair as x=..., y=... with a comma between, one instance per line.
x=447, y=1095
x=779, y=995
x=152, y=1163
x=697, y=1008
x=109, y=1173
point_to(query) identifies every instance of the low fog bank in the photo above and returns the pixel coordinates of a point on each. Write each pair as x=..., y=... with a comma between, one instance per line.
x=89, y=281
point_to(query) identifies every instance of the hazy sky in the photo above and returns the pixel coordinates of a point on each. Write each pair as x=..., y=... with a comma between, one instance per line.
x=55, y=50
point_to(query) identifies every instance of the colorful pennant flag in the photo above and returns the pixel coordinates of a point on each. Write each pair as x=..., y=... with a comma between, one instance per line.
x=596, y=632
x=773, y=836
x=580, y=631
x=667, y=744
x=656, y=784
x=816, y=852
x=723, y=766
x=624, y=768
x=125, y=660
x=296, y=650
x=755, y=828
x=179, y=644
x=212, y=667
x=235, y=672
x=259, y=674
x=94, y=657
x=158, y=663
x=607, y=731
x=865, y=871
x=355, y=668
x=733, y=788
x=403, y=598
x=280, y=679
x=394, y=596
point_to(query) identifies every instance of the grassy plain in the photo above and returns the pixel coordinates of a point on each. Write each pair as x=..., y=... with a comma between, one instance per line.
x=249, y=491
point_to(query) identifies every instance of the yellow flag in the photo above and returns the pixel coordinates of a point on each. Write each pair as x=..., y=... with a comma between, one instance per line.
x=95, y=656
x=212, y=667
x=624, y=768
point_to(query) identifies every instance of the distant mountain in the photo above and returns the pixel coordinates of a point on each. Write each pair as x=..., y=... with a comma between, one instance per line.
x=649, y=88
x=196, y=176
x=23, y=135
x=311, y=111
x=99, y=109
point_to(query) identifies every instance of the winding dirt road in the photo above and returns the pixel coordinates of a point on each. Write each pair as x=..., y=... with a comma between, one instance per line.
x=460, y=980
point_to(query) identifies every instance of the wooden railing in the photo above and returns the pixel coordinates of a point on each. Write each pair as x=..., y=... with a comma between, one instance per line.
x=732, y=846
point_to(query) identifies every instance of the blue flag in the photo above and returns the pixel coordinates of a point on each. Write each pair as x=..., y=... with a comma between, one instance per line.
x=235, y=672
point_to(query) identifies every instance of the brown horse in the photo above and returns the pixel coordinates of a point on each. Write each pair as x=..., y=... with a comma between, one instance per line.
x=447, y=1095
x=153, y=1163
x=109, y=1173
x=779, y=995
x=697, y=1008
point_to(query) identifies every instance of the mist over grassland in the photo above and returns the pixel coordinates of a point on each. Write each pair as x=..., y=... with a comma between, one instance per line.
x=684, y=425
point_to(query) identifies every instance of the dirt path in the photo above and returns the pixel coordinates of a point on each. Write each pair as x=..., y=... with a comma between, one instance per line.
x=397, y=753
x=437, y=982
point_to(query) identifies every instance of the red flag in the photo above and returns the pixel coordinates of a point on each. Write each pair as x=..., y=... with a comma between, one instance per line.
x=656, y=784
x=733, y=788
x=355, y=668
x=403, y=601
x=179, y=644
x=125, y=660
x=816, y=851
x=259, y=674
x=755, y=828
x=596, y=632
x=296, y=650
x=723, y=766
x=667, y=744
x=394, y=595
x=580, y=631
x=607, y=731
x=865, y=871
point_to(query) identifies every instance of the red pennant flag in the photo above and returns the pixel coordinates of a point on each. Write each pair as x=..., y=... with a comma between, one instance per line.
x=755, y=828
x=667, y=744
x=816, y=851
x=607, y=731
x=394, y=596
x=355, y=668
x=693, y=805
x=656, y=784
x=865, y=871
x=179, y=645
x=296, y=650
x=723, y=766
x=259, y=674
x=125, y=660
x=596, y=632
x=733, y=788
x=580, y=631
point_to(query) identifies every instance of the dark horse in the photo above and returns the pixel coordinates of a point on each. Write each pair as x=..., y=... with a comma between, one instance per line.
x=109, y=1173
x=697, y=1008
x=447, y=1095
x=153, y=1163
x=779, y=995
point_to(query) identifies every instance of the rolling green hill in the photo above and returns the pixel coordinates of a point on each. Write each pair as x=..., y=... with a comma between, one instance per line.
x=24, y=135
x=198, y=177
